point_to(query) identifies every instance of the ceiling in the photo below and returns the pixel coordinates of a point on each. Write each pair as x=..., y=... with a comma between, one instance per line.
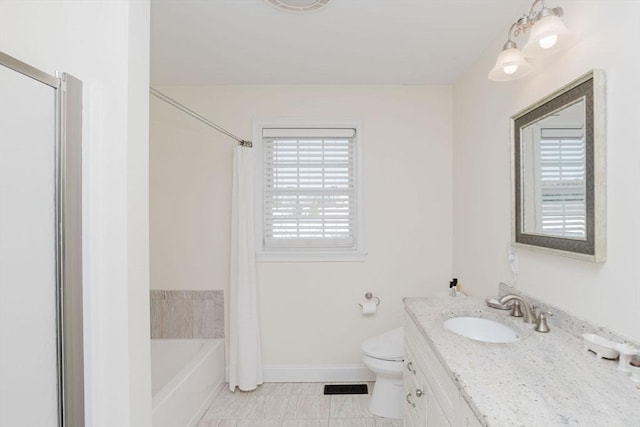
x=203, y=42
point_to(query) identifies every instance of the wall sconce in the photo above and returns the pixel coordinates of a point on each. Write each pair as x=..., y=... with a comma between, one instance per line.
x=548, y=36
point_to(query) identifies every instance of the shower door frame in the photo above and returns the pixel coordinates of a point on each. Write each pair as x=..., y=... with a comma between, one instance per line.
x=68, y=238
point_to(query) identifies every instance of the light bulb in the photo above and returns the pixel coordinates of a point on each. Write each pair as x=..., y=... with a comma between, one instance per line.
x=510, y=69
x=548, y=35
x=548, y=42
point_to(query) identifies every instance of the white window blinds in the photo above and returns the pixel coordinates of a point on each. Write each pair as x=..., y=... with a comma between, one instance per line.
x=562, y=182
x=309, y=189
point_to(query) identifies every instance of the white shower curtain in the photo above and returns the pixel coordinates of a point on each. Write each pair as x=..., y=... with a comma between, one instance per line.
x=245, y=358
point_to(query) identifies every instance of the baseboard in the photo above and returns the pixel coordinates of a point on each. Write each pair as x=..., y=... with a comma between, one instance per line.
x=316, y=373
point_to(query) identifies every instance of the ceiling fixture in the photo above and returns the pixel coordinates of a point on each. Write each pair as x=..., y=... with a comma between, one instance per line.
x=548, y=35
x=298, y=5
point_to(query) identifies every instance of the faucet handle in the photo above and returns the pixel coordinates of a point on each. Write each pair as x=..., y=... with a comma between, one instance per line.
x=515, y=310
x=541, y=322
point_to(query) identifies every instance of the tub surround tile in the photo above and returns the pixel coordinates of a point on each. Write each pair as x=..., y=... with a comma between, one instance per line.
x=203, y=315
x=217, y=296
x=156, y=317
x=187, y=314
x=177, y=316
x=541, y=379
x=218, y=314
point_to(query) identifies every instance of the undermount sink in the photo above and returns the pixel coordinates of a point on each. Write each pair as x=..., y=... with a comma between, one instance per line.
x=480, y=329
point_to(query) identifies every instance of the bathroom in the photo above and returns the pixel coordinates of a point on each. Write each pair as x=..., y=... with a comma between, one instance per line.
x=441, y=150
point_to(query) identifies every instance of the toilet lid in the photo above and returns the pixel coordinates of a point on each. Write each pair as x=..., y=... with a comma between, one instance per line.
x=388, y=346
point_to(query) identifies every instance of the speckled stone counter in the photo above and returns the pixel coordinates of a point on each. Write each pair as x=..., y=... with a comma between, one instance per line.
x=540, y=380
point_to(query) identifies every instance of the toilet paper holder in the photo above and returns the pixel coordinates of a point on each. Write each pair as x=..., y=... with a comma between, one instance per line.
x=370, y=296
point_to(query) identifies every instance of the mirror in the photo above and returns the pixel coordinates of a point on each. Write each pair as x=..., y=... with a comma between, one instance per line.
x=558, y=156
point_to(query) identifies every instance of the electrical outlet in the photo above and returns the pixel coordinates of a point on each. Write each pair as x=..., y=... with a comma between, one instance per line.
x=512, y=258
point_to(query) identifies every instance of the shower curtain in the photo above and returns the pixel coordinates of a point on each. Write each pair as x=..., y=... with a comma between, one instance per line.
x=245, y=358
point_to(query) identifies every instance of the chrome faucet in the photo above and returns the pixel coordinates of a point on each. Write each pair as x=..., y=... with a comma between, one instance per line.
x=529, y=317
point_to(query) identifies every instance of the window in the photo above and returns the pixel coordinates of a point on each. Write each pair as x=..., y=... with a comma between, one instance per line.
x=562, y=182
x=309, y=192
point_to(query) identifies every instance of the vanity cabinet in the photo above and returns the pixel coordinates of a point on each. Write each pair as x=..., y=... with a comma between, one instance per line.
x=431, y=397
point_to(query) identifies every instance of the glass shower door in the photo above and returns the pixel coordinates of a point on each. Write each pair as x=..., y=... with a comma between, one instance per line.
x=29, y=385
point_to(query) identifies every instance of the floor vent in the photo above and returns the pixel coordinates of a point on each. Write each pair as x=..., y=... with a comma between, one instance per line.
x=346, y=389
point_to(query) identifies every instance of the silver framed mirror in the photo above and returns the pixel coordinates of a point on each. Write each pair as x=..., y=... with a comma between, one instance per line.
x=558, y=169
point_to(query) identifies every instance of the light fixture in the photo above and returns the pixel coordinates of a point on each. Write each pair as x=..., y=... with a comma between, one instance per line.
x=548, y=35
x=510, y=65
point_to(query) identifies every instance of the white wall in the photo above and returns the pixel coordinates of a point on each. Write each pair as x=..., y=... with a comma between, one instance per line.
x=138, y=214
x=606, y=294
x=309, y=311
x=190, y=201
x=105, y=44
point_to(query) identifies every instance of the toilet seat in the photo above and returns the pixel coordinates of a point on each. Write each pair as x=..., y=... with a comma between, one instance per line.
x=388, y=346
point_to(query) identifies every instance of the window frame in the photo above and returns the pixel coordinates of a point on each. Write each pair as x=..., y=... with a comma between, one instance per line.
x=357, y=253
x=560, y=185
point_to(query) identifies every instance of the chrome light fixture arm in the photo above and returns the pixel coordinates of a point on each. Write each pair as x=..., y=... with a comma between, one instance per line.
x=528, y=20
x=510, y=44
x=545, y=11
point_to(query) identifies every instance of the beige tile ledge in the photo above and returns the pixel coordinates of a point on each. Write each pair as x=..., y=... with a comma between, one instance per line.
x=542, y=379
x=185, y=314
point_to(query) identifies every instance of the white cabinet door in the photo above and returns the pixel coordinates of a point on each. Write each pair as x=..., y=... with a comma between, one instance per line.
x=435, y=400
x=415, y=402
x=422, y=408
x=435, y=414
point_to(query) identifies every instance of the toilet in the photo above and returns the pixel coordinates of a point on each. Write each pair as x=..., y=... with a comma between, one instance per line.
x=384, y=355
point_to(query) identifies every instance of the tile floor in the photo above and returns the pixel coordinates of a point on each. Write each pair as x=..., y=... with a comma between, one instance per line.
x=292, y=405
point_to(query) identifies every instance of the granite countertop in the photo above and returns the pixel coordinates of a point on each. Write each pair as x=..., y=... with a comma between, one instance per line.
x=542, y=379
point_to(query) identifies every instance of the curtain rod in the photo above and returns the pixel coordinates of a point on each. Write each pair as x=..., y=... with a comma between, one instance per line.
x=197, y=116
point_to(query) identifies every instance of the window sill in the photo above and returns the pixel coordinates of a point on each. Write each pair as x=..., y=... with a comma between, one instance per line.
x=311, y=256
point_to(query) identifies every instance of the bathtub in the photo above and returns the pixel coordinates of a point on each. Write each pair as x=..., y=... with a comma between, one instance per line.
x=185, y=377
